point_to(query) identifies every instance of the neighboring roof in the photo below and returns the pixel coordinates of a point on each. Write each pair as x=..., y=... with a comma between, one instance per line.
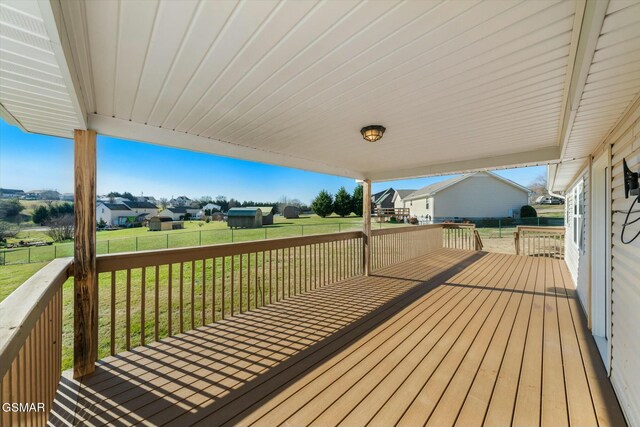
x=243, y=211
x=384, y=197
x=114, y=206
x=10, y=191
x=266, y=210
x=161, y=218
x=432, y=189
x=140, y=205
x=181, y=209
x=402, y=194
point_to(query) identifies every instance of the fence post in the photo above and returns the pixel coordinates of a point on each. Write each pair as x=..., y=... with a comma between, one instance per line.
x=265, y=234
x=29, y=260
x=500, y=227
x=55, y=252
x=538, y=221
x=136, y=243
x=200, y=239
x=302, y=230
x=339, y=227
x=108, y=246
x=231, y=234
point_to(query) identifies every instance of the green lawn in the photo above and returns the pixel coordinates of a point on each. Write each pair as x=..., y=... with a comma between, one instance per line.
x=12, y=276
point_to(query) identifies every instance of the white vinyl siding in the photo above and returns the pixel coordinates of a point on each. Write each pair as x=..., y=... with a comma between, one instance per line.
x=625, y=274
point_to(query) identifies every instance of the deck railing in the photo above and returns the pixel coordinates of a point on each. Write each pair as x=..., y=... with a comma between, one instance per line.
x=393, y=245
x=461, y=236
x=31, y=344
x=539, y=241
x=146, y=296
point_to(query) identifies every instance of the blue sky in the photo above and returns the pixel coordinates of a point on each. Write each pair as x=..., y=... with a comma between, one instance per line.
x=30, y=162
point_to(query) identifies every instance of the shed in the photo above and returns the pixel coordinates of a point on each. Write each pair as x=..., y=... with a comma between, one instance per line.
x=244, y=218
x=267, y=214
x=164, y=223
x=291, y=212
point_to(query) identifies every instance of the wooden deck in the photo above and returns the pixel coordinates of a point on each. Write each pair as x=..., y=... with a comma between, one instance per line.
x=455, y=337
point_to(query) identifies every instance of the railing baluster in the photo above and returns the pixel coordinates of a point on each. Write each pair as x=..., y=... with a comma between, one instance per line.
x=248, y=281
x=181, y=298
x=271, y=276
x=204, y=290
x=223, y=275
x=213, y=289
x=127, y=313
x=113, y=313
x=156, y=303
x=233, y=265
x=143, y=294
x=169, y=301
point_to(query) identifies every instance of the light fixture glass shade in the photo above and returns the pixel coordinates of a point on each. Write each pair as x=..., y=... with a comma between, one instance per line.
x=372, y=133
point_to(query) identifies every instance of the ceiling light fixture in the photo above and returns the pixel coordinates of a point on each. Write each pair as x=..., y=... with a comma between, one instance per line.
x=372, y=133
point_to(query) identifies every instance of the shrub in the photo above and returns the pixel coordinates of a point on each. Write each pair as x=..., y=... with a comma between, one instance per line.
x=528, y=212
x=322, y=205
x=60, y=228
x=342, y=205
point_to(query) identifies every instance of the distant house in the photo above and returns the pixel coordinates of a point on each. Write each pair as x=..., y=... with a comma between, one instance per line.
x=149, y=199
x=400, y=196
x=244, y=218
x=10, y=193
x=178, y=212
x=42, y=195
x=66, y=197
x=383, y=199
x=115, y=214
x=108, y=199
x=267, y=214
x=210, y=207
x=141, y=208
x=183, y=201
x=291, y=212
x=473, y=196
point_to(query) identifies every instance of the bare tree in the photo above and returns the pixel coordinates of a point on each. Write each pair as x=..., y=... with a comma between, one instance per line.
x=163, y=202
x=539, y=186
x=60, y=228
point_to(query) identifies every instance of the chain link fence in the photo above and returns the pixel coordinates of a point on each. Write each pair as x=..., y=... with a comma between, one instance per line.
x=157, y=240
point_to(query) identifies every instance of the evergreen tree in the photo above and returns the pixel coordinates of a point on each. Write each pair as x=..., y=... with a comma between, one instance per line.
x=40, y=215
x=342, y=205
x=322, y=205
x=357, y=200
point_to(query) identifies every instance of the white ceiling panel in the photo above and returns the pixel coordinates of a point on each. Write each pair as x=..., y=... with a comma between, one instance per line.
x=292, y=82
x=35, y=90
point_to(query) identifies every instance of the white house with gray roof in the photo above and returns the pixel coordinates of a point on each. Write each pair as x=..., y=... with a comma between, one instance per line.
x=472, y=196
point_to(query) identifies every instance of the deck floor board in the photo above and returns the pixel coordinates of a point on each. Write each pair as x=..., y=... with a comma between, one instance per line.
x=451, y=338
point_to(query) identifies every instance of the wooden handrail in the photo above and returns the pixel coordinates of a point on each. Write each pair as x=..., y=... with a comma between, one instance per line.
x=401, y=229
x=31, y=342
x=124, y=260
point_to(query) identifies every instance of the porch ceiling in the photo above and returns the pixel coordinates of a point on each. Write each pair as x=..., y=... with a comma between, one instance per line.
x=459, y=85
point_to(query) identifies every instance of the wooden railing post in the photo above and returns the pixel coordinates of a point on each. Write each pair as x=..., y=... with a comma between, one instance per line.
x=85, y=341
x=366, y=228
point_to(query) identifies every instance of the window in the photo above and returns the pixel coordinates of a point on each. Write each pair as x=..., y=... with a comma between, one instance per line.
x=576, y=211
x=427, y=204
